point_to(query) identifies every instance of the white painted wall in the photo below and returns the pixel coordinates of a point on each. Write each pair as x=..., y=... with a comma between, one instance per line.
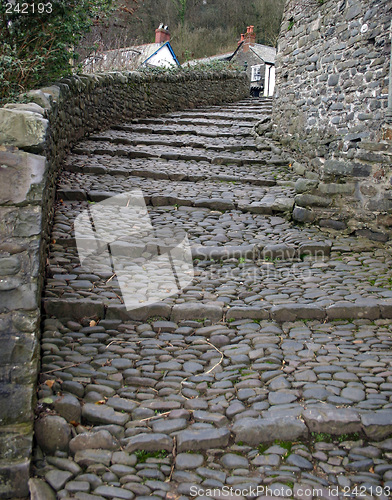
x=163, y=58
x=269, y=81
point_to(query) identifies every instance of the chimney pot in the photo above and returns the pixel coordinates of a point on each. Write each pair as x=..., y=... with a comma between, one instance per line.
x=162, y=34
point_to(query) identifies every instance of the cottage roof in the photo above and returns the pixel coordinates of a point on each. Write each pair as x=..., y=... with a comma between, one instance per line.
x=217, y=57
x=267, y=54
x=263, y=52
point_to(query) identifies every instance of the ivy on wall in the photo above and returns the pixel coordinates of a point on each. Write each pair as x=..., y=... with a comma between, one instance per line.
x=38, y=39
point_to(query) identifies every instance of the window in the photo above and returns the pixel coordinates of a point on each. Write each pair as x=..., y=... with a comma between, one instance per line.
x=256, y=73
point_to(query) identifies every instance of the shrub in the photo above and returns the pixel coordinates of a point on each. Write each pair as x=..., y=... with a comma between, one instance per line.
x=38, y=40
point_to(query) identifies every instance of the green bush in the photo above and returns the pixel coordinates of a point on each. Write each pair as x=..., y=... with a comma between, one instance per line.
x=38, y=40
x=201, y=67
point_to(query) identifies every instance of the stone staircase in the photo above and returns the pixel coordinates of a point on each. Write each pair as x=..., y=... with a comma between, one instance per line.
x=270, y=369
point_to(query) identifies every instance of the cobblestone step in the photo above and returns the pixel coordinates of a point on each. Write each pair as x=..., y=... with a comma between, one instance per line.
x=167, y=152
x=206, y=131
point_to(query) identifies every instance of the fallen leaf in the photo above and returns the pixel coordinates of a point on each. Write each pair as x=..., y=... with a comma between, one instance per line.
x=93, y=323
x=47, y=401
x=50, y=383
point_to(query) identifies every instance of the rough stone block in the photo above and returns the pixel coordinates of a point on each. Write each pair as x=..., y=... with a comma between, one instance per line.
x=372, y=235
x=202, y=439
x=254, y=431
x=333, y=224
x=19, y=400
x=22, y=128
x=316, y=248
x=71, y=194
x=17, y=347
x=332, y=188
x=113, y=492
x=303, y=185
x=9, y=265
x=84, y=458
x=263, y=207
x=282, y=204
x=293, y=312
x=386, y=309
x=14, y=477
x=24, y=172
x=195, y=310
x=98, y=196
x=141, y=314
x=73, y=309
x=39, y=97
x=28, y=222
x=40, y=490
x=335, y=421
x=214, y=203
x=348, y=310
x=247, y=312
x=30, y=106
x=26, y=321
x=279, y=251
x=149, y=442
x=333, y=80
x=378, y=425
x=346, y=169
x=353, y=11
x=304, y=215
x=310, y=200
x=22, y=297
x=16, y=441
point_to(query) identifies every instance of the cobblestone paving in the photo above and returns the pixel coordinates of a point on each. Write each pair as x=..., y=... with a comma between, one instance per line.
x=268, y=376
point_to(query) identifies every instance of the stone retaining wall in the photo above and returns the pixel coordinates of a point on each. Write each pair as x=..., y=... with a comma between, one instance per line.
x=332, y=91
x=34, y=138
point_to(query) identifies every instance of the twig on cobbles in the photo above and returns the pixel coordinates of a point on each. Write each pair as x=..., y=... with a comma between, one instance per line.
x=122, y=342
x=154, y=417
x=208, y=371
x=158, y=416
x=110, y=279
x=62, y=368
x=174, y=453
x=218, y=363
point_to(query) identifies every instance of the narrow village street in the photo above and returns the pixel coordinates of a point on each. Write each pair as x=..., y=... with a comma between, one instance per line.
x=269, y=375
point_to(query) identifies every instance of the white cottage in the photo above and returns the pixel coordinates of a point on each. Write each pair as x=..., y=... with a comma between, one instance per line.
x=259, y=62
x=159, y=54
x=256, y=59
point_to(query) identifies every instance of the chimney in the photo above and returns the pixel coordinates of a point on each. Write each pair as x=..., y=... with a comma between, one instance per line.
x=250, y=38
x=162, y=34
x=242, y=39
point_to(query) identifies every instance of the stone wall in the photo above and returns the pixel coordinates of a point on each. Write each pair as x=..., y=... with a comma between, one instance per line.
x=332, y=91
x=34, y=138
